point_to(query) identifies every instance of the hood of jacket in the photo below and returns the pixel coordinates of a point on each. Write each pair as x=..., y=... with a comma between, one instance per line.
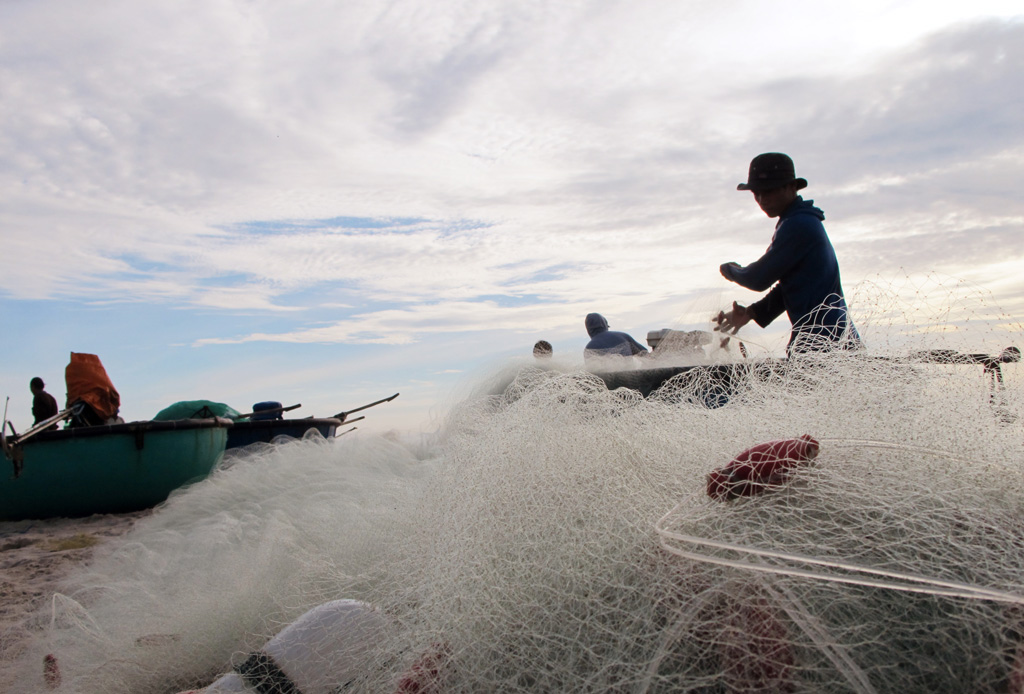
x=801, y=206
x=595, y=323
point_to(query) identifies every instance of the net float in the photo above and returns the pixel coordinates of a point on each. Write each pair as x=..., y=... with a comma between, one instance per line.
x=761, y=468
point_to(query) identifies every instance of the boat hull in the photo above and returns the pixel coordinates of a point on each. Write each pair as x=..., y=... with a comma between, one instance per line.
x=108, y=469
x=266, y=430
x=715, y=383
x=646, y=381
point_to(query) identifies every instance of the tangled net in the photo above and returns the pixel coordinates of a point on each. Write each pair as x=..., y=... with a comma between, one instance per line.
x=561, y=539
x=893, y=564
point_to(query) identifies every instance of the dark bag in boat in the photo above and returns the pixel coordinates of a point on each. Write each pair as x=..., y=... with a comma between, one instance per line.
x=83, y=415
x=260, y=411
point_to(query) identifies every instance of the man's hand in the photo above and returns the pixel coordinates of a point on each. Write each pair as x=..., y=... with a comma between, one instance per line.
x=727, y=268
x=732, y=321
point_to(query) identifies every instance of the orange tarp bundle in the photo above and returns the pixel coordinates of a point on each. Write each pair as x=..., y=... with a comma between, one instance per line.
x=88, y=381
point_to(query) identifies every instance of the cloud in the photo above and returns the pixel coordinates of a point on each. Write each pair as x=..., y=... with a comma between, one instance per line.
x=948, y=100
x=418, y=321
x=377, y=191
x=507, y=155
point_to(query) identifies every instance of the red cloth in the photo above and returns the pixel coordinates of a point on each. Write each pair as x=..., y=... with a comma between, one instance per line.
x=88, y=381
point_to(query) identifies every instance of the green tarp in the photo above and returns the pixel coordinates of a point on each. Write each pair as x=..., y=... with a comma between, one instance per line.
x=196, y=409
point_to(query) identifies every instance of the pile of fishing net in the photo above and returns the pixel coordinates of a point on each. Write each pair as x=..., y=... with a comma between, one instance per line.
x=891, y=564
x=222, y=566
x=562, y=538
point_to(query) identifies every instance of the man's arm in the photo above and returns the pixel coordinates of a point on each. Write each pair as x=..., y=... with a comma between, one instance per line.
x=768, y=308
x=636, y=346
x=786, y=251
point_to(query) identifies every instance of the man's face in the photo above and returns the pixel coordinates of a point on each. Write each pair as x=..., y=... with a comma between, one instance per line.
x=774, y=202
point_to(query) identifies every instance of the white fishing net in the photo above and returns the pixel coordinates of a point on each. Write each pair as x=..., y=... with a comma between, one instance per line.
x=557, y=576
x=224, y=565
x=561, y=539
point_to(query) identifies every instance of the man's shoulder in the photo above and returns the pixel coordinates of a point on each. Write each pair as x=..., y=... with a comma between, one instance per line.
x=803, y=209
x=801, y=222
x=607, y=338
x=621, y=336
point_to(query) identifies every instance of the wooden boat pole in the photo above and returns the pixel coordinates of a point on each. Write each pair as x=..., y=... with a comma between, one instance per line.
x=345, y=413
x=3, y=429
x=1009, y=355
x=42, y=426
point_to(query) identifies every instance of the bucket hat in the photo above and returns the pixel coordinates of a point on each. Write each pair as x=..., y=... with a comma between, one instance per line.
x=769, y=171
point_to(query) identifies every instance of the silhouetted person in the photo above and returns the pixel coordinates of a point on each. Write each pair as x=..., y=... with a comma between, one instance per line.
x=543, y=350
x=800, y=262
x=44, y=405
x=605, y=342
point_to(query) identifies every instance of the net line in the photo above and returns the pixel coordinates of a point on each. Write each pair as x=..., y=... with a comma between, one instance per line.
x=855, y=574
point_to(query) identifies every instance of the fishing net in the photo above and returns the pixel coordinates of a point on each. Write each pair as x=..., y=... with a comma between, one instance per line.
x=892, y=564
x=560, y=538
x=224, y=565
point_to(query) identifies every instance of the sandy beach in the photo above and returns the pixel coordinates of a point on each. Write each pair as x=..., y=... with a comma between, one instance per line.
x=36, y=556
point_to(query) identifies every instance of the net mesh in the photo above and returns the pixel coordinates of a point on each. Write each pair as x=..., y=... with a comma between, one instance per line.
x=559, y=538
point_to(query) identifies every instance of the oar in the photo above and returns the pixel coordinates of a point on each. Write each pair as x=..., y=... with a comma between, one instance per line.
x=3, y=428
x=343, y=414
x=42, y=426
x=991, y=363
x=347, y=431
x=992, y=366
x=270, y=411
x=6, y=422
x=1009, y=355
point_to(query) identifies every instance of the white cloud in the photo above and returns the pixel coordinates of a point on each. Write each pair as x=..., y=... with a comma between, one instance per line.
x=561, y=158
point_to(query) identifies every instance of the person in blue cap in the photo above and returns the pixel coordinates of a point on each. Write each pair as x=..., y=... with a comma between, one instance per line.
x=605, y=342
x=800, y=266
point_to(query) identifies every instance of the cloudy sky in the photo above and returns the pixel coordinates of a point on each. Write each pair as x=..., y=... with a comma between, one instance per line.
x=329, y=202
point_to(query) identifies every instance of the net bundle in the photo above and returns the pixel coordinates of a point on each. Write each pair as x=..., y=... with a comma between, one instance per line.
x=561, y=538
x=891, y=564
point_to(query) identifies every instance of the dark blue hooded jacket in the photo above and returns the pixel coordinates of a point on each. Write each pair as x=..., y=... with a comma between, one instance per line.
x=604, y=342
x=802, y=265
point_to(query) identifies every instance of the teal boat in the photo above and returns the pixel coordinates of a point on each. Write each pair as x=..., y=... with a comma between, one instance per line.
x=113, y=468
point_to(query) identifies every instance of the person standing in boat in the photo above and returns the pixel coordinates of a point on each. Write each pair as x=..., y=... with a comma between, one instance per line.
x=800, y=262
x=44, y=405
x=605, y=342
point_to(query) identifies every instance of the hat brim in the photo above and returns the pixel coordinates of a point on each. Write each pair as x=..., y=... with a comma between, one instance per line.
x=801, y=183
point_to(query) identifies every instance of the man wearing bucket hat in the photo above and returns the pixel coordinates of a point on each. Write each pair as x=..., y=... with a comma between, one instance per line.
x=800, y=262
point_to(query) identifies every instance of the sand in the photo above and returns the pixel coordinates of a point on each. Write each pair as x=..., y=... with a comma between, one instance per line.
x=36, y=557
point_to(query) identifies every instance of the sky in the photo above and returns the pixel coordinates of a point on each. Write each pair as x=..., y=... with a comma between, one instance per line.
x=327, y=203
